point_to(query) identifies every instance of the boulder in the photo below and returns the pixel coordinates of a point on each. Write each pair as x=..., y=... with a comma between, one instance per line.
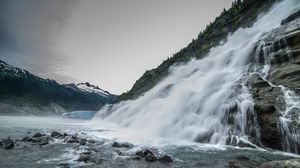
x=149, y=156
x=8, y=143
x=122, y=145
x=140, y=153
x=26, y=139
x=84, y=158
x=37, y=135
x=55, y=134
x=165, y=159
x=82, y=141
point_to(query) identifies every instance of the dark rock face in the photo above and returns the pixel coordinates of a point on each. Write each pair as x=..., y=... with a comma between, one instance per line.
x=281, y=50
x=291, y=18
x=265, y=97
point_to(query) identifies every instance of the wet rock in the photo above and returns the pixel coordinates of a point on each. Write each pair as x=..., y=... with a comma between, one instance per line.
x=84, y=158
x=140, y=153
x=8, y=143
x=268, y=101
x=232, y=164
x=64, y=135
x=165, y=159
x=91, y=141
x=44, y=141
x=149, y=156
x=26, y=139
x=73, y=139
x=37, y=135
x=82, y=141
x=293, y=163
x=137, y=158
x=242, y=158
x=93, y=150
x=122, y=145
x=87, y=152
x=64, y=165
x=290, y=18
x=55, y=134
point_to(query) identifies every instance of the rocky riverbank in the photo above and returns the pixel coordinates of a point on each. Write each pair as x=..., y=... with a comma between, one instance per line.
x=58, y=149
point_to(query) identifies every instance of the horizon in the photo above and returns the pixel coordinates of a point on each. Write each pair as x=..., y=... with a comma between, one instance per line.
x=109, y=44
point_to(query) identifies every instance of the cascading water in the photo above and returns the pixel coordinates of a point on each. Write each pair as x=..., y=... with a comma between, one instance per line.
x=204, y=100
x=271, y=54
x=290, y=116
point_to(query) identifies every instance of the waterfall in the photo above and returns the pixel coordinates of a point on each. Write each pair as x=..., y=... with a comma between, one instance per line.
x=203, y=100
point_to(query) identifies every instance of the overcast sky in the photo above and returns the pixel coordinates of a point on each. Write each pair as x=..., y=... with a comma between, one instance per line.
x=110, y=43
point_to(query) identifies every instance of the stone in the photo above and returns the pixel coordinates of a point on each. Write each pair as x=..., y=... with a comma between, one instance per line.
x=82, y=141
x=149, y=156
x=91, y=141
x=242, y=158
x=37, y=135
x=165, y=159
x=84, y=158
x=140, y=154
x=64, y=165
x=122, y=145
x=73, y=140
x=26, y=139
x=44, y=141
x=8, y=143
x=55, y=134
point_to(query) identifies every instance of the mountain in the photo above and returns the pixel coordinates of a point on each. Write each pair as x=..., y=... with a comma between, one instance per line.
x=241, y=14
x=24, y=93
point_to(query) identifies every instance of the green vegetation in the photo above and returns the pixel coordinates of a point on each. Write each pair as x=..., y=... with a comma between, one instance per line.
x=241, y=14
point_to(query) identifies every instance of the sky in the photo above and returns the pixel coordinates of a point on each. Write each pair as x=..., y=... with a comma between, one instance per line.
x=109, y=43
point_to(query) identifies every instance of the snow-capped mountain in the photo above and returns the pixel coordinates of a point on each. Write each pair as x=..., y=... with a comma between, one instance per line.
x=23, y=92
x=89, y=88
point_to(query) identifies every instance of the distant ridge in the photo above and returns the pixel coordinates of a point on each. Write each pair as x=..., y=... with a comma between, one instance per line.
x=24, y=93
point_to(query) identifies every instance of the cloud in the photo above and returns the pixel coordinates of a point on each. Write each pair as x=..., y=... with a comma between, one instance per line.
x=29, y=33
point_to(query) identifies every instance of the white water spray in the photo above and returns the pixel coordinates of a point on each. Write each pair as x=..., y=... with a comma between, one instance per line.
x=204, y=100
